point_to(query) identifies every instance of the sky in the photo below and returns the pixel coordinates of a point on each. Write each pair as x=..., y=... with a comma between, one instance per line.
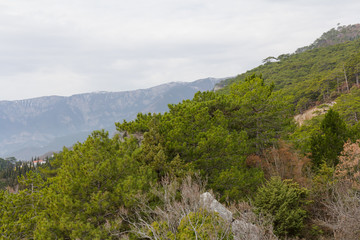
x=66, y=47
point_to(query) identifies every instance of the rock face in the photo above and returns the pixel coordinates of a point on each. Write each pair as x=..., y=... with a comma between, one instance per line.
x=32, y=127
x=241, y=229
x=313, y=112
x=210, y=203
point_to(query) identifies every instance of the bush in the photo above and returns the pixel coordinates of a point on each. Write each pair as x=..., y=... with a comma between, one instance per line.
x=284, y=202
x=342, y=212
x=203, y=225
x=349, y=165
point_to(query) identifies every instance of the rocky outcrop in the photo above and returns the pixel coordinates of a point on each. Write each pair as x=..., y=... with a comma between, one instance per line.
x=241, y=229
x=208, y=202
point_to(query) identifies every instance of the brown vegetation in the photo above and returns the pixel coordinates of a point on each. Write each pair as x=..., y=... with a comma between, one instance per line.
x=282, y=161
x=348, y=169
x=343, y=212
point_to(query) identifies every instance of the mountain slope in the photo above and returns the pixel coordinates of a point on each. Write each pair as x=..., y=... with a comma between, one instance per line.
x=334, y=36
x=316, y=75
x=34, y=126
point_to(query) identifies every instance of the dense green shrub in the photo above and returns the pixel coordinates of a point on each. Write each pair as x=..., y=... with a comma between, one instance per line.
x=284, y=202
x=203, y=225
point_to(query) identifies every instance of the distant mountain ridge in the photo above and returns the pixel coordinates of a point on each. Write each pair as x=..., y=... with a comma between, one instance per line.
x=34, y=126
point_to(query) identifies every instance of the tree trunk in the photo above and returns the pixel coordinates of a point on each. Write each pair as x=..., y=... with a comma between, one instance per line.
x=346, y=80
x=357, y=75
x=356, y=118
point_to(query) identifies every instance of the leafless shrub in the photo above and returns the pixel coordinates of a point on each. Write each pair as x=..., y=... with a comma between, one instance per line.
x=342, y=202
x=243, y=212
x=181, y=208
x=283, y=161
x=173, y=210
x=348, y=169
x=343, y=217
x=177, y=201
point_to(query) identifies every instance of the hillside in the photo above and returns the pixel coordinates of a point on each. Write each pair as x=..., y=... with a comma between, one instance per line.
x=316, y=74
x=159, y=176
x=334, y=36
x=32, y=127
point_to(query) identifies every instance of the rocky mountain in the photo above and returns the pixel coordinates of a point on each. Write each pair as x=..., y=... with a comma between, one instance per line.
x=32, y=127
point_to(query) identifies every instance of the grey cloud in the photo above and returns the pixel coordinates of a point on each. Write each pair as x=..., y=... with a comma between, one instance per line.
x=64, y=47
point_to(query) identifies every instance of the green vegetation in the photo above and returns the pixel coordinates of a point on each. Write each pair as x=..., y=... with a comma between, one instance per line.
x=11, y=170
x=319, y=74
x=240, y=143
x=285, y=202
x=335, y=36
x=208, y=226
x=348, y=106
x=327, y=144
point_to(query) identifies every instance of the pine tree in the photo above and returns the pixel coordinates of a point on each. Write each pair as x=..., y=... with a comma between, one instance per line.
x=327, y=144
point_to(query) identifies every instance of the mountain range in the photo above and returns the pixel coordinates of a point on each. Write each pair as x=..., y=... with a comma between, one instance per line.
x=31, y=127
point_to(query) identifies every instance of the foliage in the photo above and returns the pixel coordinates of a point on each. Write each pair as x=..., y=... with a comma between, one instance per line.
x=87, y=185
x=310, y=77
x=324, y=178
x=334, y=36
x=259, y=111
x=140, y=124
x=176, y=199
x=284, y=201
x=211, y=134
x=136, y=184
x=6, y=170
x=238, y=183
x=203, y=225
x=181, y=214
x=20, y=212
x=160, y=230
x=11, y=170
x=282, y=160
x=348, y=106
x=348, y=169
x=321, y=188
x=4, y=164
x=328, y=143
x=301, y=136
x=96, y=178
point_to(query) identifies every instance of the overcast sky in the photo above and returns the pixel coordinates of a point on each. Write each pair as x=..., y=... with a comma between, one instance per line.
x=64, y=47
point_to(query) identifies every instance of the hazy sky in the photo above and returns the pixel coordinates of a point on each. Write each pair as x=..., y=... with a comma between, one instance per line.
x=64, y=47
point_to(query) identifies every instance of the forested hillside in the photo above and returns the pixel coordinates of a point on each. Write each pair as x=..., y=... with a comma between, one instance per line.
x=316, y=75
x=278, y=180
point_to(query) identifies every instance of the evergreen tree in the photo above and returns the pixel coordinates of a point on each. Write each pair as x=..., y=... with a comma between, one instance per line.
x=95, y=180
x=259, y=111
x=327, y=144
